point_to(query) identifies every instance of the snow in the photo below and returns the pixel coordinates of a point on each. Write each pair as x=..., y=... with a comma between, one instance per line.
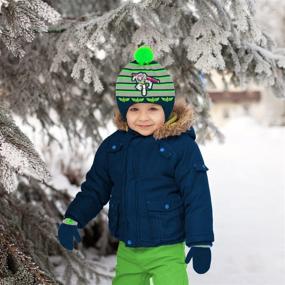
x=246, y=176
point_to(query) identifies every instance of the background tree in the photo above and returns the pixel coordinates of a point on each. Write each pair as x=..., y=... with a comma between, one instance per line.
x=59, y=62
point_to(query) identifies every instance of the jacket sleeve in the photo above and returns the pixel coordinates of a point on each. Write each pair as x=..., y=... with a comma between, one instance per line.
x=95, y=191
x=191, y=177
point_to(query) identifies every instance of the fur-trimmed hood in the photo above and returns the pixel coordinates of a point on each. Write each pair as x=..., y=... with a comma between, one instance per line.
x=180, y=121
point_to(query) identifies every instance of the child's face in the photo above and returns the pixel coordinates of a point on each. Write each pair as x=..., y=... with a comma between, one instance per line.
x=145, y=118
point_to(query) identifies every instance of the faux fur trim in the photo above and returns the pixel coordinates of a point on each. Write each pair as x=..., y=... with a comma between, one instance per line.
x=185, y=119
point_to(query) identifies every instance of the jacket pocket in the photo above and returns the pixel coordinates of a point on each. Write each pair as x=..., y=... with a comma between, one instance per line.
x=115, y=160
x=166, y=218
x=164, y=206
x=165, y=152
x=113, y=216
x=114, y=147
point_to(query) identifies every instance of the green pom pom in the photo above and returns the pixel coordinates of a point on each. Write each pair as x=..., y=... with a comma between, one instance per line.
x=143, y=55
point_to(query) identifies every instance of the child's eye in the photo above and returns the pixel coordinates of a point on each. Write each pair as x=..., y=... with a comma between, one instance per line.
x=135, y=109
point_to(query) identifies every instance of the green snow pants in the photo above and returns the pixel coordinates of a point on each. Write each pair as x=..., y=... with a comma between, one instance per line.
x=165, y=264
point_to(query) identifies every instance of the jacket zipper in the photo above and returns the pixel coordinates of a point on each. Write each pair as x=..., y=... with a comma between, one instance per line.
x=136, y=202
x=125, y=190
x=137, y=233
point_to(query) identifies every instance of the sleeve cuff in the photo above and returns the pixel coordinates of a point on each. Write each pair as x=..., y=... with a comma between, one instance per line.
x=70, y=221
x=200, y=244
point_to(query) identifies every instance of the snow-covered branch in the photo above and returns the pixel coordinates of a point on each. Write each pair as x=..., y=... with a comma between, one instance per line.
x=21, y=20
x=17, y=154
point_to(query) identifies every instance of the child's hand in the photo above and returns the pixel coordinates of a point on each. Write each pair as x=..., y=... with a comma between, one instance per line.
x=67, y=231
x=201, y=258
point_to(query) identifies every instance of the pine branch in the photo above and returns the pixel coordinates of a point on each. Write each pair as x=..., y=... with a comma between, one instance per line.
x=21, y=19
x=17, y=154
x=31, y=232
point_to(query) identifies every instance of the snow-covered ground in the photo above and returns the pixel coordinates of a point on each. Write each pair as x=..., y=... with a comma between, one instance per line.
x=247, y=180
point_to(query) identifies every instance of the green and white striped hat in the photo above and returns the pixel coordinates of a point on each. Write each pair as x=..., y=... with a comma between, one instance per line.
x=144, y=81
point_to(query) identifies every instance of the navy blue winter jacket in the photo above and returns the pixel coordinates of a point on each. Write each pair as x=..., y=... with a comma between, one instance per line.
x=157, y=186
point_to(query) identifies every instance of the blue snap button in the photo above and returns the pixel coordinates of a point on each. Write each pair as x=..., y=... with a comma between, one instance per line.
x=166, y=206
x=114, y=146
x=162, y=149
x=129, y=241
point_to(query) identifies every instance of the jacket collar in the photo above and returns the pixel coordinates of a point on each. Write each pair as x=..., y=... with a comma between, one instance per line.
x=180, y=121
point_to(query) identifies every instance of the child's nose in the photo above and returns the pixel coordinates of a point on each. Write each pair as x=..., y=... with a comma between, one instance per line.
x=143, y=115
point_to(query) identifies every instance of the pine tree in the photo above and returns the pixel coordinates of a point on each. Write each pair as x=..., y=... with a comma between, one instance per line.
x=59, y=61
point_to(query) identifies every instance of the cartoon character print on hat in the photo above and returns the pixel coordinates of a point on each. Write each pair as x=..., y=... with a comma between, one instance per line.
x=144, y=82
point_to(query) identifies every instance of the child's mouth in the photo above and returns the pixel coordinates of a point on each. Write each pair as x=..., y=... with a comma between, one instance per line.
x=144, y=126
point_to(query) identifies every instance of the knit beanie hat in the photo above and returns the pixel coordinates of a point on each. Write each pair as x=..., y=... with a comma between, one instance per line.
x=144, y=81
